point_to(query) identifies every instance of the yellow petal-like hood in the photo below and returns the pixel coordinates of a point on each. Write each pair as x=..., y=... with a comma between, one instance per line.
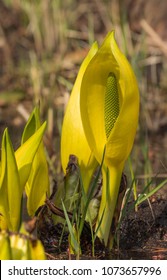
x=73, y=140
x=109, y=104
x=109, y=73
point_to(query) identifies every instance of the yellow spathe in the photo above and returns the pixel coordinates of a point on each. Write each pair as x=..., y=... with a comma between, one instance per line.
x=73, y=140
x=109, y=104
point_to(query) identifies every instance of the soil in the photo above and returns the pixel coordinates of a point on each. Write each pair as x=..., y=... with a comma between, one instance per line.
x=142, y=235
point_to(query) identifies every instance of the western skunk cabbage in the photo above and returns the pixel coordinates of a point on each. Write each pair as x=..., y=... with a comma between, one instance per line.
x=109, y=104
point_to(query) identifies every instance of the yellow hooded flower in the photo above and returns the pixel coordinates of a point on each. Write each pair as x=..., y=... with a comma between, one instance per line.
x=73, y=140
x=109, y=105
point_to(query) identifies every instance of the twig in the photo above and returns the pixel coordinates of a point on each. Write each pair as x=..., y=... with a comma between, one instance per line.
x=55, y=210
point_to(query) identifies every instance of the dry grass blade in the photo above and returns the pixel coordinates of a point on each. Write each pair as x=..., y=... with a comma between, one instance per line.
x=156, y=39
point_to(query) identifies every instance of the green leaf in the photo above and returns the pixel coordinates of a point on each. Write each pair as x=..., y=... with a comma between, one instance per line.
x=87, y=199
x=145, y=196
x=32, y=125
x=10, y=191
x=38, y=183
x=73, y=236
x=26, y=152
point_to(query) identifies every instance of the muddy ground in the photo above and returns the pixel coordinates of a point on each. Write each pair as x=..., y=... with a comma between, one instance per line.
x=142, y=235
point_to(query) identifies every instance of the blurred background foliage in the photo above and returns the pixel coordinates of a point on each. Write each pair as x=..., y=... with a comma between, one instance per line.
x=42, y=44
